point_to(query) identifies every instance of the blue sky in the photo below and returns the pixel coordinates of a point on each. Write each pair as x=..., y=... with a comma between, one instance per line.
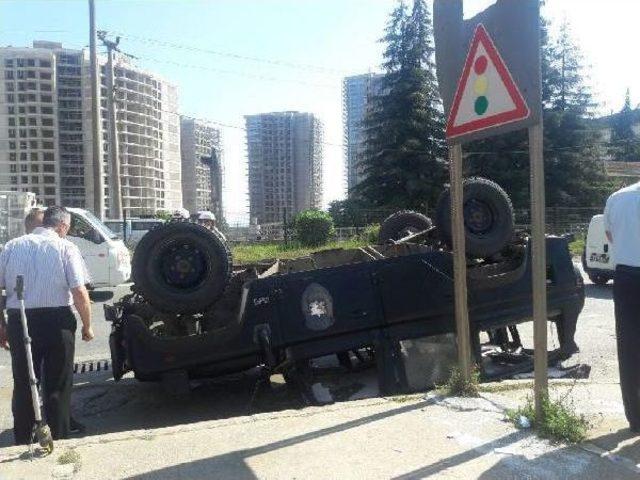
x=271, y=55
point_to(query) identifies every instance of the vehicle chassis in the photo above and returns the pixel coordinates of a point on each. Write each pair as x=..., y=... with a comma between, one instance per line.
x=284, y=317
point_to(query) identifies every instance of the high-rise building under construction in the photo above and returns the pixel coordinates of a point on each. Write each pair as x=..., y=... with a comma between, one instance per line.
x=356, y=94
x=45, y=105
x=285, y=164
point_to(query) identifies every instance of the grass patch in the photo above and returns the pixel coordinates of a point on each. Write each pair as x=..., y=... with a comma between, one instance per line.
x=251, y=253
x=560, y=421
x=458, y=386
x=504, y=387
x=577, y=246
x=70, y=456
x=406, y=398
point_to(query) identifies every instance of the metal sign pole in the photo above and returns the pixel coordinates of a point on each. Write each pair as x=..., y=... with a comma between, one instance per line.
x=459, y=261
x=539, y=267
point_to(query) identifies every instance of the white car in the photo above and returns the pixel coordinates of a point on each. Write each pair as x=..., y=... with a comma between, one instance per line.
x=598, y=258
x=105, y=254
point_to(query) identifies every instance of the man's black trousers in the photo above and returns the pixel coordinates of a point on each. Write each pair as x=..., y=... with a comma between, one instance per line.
x=52, y=332
x=626, y=295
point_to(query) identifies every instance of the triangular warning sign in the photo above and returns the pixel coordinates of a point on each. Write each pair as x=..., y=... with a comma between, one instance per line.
x=486, y=96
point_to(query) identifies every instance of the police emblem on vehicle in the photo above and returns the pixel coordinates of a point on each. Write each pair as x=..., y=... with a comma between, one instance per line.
x=317, y=306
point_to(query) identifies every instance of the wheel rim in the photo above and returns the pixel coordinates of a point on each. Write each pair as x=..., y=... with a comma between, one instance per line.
x=478, y=216
x=182, y=265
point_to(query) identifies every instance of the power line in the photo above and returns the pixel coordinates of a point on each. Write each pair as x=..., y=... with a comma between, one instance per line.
x=282, y=63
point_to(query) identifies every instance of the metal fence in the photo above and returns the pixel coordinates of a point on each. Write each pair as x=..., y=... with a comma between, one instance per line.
x=559, y=220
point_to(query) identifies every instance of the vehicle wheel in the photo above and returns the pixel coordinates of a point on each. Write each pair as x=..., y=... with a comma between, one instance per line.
x=181, y=267
x=598, y=279
x=488, y=217
x=402, y=224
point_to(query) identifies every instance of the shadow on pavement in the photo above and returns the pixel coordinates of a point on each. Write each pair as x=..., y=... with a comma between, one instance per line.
x=233, y=464
x=604, y=292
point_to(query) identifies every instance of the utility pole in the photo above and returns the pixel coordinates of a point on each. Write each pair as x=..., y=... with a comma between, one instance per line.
x=115, y=190
x=98, y=178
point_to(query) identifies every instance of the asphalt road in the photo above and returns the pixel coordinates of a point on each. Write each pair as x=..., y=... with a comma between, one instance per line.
x=98, y=348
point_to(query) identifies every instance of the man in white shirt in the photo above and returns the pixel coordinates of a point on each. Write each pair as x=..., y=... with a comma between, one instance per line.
x=54, y=273
x=622, y=225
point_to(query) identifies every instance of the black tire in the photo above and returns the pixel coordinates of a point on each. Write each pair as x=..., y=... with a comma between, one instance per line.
x=181, y=267
x=401, y=224
x=488, y=217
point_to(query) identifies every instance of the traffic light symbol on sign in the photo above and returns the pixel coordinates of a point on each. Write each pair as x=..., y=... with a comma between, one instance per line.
x=486, y=95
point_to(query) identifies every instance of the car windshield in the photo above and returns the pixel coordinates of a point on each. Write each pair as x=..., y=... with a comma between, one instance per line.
x=98, y=225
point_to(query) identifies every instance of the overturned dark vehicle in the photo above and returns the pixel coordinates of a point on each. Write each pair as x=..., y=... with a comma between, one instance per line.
x=192, y=314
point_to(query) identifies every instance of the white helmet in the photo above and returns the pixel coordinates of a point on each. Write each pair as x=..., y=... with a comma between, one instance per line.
x=206, y=215
x=181, y=213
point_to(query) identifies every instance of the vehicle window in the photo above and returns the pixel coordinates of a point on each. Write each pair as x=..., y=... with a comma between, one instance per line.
x=82, y=229
x=101, y=227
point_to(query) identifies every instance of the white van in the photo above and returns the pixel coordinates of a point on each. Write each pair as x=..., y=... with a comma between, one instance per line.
x=105, y=254
x=597, y=259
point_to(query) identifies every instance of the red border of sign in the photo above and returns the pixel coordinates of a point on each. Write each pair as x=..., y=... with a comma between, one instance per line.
x=519, y=113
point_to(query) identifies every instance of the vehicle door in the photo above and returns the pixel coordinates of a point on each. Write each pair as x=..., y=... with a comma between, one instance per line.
x=93, y=247
x=598, y=250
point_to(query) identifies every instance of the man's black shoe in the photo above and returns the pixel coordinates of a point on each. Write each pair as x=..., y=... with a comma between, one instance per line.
x=75, y=427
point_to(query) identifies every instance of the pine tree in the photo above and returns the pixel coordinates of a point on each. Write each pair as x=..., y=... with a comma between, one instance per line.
x=574, y=173
x=624, y=142
x=404, y=161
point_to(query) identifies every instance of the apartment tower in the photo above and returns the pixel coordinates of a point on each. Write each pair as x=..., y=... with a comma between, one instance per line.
x=356, y=92
x=285, y=164
x=201, y=174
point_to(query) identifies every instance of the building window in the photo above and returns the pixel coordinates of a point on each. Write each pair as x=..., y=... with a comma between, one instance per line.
x=45, y=87
x=11, y=110
x=33, y=144
x=14, y=180
x=47, y=122
x=31, y=97
x=23, y=145
x=46, y=110
x=33, y=132
x=45, y=98
x=23, y=168
x=47, y=133
x=11, y=98
x=48, y=168
x=49, y=190
x=13, y=157
x=45, y=75
x=34, y=158
x=33, y=121
x=12, y=168
x=47, y=156
x=45, y=63
x=8, y=62
x=31, y=74
x=8, y=74
x=31, y=62
x=12, y=122
x=24, y=179
x=47, y=146
x=22, y=132
x=36, y=190
x=10, y=87
x=22, y=121
x=35, y=179
x=12, y=133
x=12, y=145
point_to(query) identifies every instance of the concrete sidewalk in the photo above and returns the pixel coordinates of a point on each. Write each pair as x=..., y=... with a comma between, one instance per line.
x=398, y=437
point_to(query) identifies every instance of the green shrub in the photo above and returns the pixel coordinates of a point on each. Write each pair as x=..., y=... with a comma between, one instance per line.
x=370, y=234
x=458, y=386
x=560, y=421
x=313, y=227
